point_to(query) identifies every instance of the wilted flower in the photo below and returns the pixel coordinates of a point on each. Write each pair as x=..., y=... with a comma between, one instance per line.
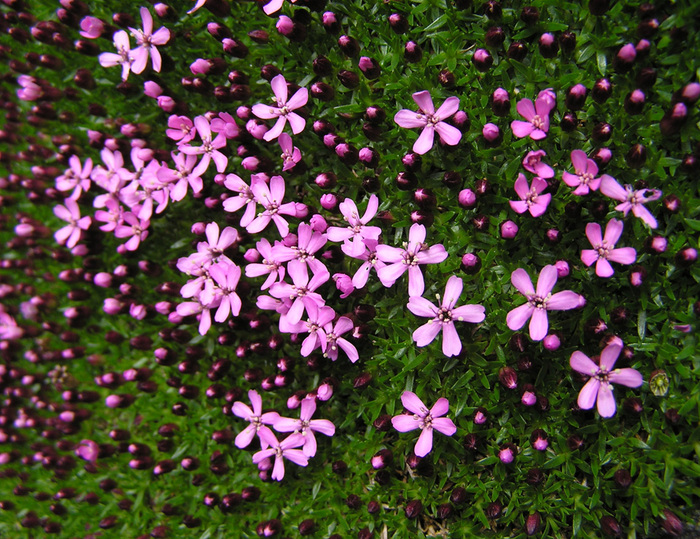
x=631, y=199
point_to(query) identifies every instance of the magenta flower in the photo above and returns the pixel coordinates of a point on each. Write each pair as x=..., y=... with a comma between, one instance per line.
x=147, y=41
x=208, y=150
x=359, y=280
x=283, y=110
x=274, y=269
x=317, y=317
x=584, y=180
x=630, y=198
x=291, y=155
x=306, y=426
x=530, y=198
x=75, y=178
x=225, y=274
x=123, y=56
x=540, y=301
x=533, y=163
x=356, y=231
x=183, y=176
x=257, y=419
x=133, y=228
x=537, y=116
x=598, y=387
x=603, y=248
x=9, y=330
x=308, y=244
x=245, y=198
x=302, y=292
x=424, y=419
x=88, y=450
x=414, y=253
x=270, y=197
x=335, y=341
x=70, y=235
x=431, y=121
x=281, y=450
x=444, y=317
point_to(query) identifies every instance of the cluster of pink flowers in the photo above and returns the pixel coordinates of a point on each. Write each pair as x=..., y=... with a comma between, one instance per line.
x=302, y=434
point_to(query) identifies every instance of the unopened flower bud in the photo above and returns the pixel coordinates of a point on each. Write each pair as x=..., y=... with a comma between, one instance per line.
x=533, y=524
x=412, y=52
x=548, y=45
x=348, y=79
x=471, y=263
x=636, y=156
x=482, y=60
x=370, y=68
x=349, y=46
x=446, y=78
x=509, y=230
x=529, y=15
x=610, y=526
x=567, y=41
x=539, y=440
x=330, y=22
x=492, y=135
x=398, y=23
x=671, y=524
x=382, y=459
x=500, y=102
x=625, y=57
x=602, y=90
x=495, y=36
x=493, y=510
x=686, y=257
x=576, y=97
x=507, y=453
x=413, y=509
x=534, y=477
x=517, y=51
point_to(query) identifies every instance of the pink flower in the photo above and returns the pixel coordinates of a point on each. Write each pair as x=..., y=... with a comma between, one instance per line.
x=424, y=419
x=123, y=56
x=359, y=280
x=414, y=253
x=225, y=275
x=270, y=197
x=133, y=228
x=257, y=419
x=540, y=301
x=208, y=150
x=603, y=248
x=281, y=450
x=147, y=41
x=443, y=318
x=70, y=235
x=306, y=426
x=9, y=330
x=537, y=116
x=302, y=292
x=183, y=176
x=335, y=341
x=356, y=231
x=307, y=245
x=291, y=155
x=75, y=178
x=317, y=317
x=533, y=163
x=87, y=450
x=283, y=110
x=584, y=180
x=631, y=199
x=430, y=120
x=91, y=27
x=598, y=387
x=270, y=266
x=530, y=198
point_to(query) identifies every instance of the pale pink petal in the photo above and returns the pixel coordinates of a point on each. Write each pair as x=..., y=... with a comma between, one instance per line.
x=308, y=407
x=539, y=185
x=416, y=284
x=623, y=255
x=603, y=268
x=426, y=334
x=296, y=122
x=416, y=234
x=538, y=325
x=323, y=426
x=160, y=37
x=609, y=356
x=518, y=206
x=256, y=401
x=606, y=401
x=563, y=301
x=594, y=234
x=276, y=130
x=299, y=99
x=413, y=404
x=526, y=109
x=613, y=231
x=580, y=160
x=546, y=280
x=449, y=134
x=440, y=408
x=245, y=437
x=156, y=60
x=626, y=377
x=425, y=140
x=433, y=255
x=266, y=112
x=580, y=362
x=273, y=6
x=521, y=281
x=425, y=443
x=572, y=180
x=645, y=215
x=424, y=101
x=451, y=344
x=453, y=290
x=521, y=187
x=588, y=394
x=518, y=316
x=389, y=254
x=538, y=134
x=469, y=313
x=278, y=470
x=521, y=129
x=389, y=274
x=279, y=87
x=610, y=188
x=310, y=446
x=589, y=256
x=445, y=426
x=448, y=108
x=405, y=422
x=536, y=210
x=410, y=119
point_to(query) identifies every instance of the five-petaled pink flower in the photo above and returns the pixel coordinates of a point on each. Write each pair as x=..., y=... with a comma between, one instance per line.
x=444, y=317
x=533, y=163
x=257, y=419
x=123, y=56
x=357, y=230
x=70, y=235
x=537, y=116
x=604, y=248
x=424, y=419
x=270, y=197
x=585, y=169
x=430, y=120
x=400, y=260
x=540, y=301
x=530, y=198
x=147, y=41
x=306, y=426
x=281, y=450
x=630, y=198
x=291, y=155
x=283, y=110
x=598, y=387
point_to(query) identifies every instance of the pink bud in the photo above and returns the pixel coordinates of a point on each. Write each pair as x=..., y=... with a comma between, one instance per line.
x=152, y=89
x=251, y=163
x=200, y=66
x=103, y=279
x=509, y=230
x=252, y=256
x=528, y=398
x=551, y=342
x=256, y=128
x=112, y=306
x=318, y=223
x=324, y=392
x=466, y=198
x=285, y=25
x=344, y=284
x=91, y=27
x=329, y=201
x=164, y=307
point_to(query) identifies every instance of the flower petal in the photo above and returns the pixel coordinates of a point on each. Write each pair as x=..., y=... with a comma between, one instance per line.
x=613, y=231
x=426, y=334
x=518, y=316
x=521, y=187
x=580, y=362
x=609, y=356
x=626, y=377
x=588, y=394
x=410, y=119
x=580, y=160
x=424, y=444
x=451, y=344
x=603, y=268
x=425, y=140
x=547, y=280
x=449, y=134
x=606, y=401
x=469, y=313
x=594, y=234
x=279, y=87
x=453, y=290
x=405, y=422
x=623, y=255
x=424, y=101
x=521, y=281
x=610, y=188
x=538, y=324
x=444, y=425
x=526, y=109
x=413, y=404
x=563, y=301
x=440, y=408
x=589, y=256
x=421, y=307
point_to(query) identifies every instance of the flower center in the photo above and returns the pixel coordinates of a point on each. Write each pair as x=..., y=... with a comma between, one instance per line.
x=586, y=177
x=444, y=315
x=603, y=250
x=538, y=122
x=531, y=197
x=538, y=302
